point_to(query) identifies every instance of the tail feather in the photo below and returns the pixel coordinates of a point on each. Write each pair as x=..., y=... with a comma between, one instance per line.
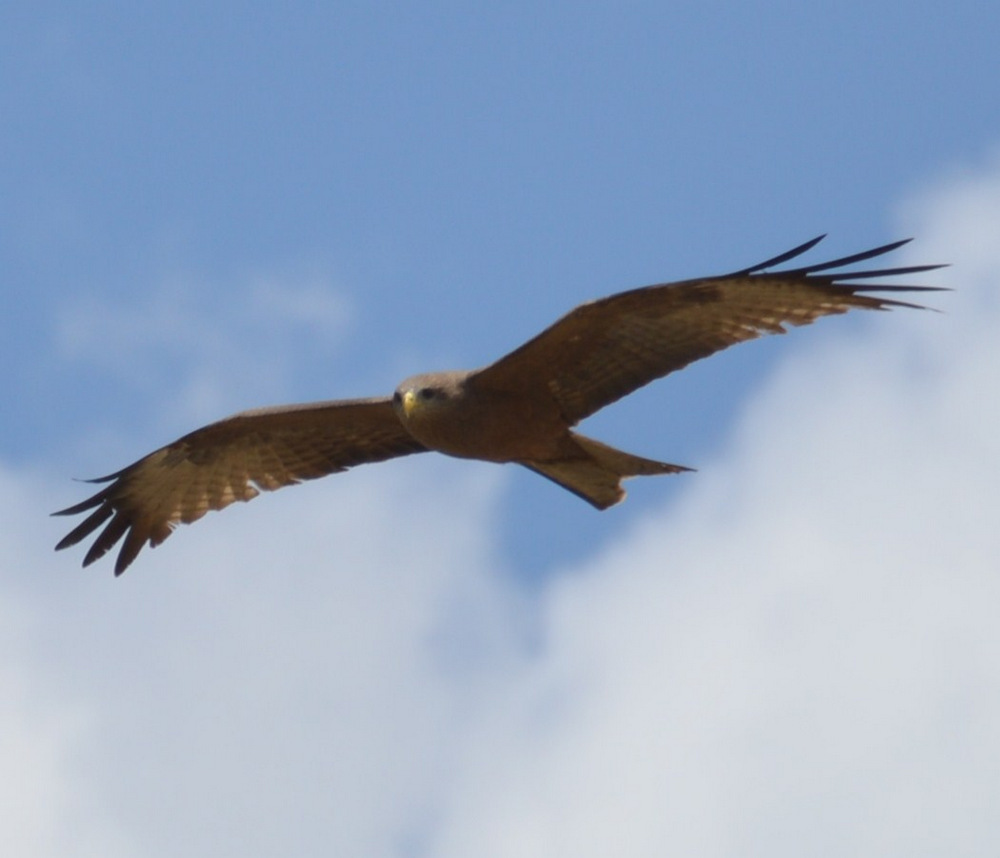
x=596, y=475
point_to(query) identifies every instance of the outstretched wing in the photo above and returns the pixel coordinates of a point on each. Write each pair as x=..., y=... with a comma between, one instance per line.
x=605, y=349
x=232, y=460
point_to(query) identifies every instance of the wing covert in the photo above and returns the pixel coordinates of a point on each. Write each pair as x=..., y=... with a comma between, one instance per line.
x=605, y=349
x=233, y=460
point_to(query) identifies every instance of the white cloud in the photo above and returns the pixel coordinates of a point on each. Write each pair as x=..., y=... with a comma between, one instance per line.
x=798, y=657
x=280, y=681
x=220, y=346
x=802, y=658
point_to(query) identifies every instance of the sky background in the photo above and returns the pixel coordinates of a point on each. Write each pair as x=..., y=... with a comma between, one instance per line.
x=210, y=207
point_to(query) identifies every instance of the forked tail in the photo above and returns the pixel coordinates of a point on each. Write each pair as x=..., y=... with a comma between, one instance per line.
x=596, y=475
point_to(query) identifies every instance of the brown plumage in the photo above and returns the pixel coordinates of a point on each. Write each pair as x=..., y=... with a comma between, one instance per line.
x=519, y=409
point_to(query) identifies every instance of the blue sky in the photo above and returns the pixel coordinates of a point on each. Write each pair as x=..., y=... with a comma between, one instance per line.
x=456, y=177
x=209, y=207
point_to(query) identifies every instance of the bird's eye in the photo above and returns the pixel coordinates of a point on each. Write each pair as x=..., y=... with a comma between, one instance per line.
x=426, y=393
x=397, y=397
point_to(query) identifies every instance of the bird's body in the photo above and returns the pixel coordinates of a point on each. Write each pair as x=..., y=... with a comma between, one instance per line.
x=451, y=413
x=466, y=415
x=522, y=408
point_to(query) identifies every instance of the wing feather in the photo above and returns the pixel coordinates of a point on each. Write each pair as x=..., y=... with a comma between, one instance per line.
x=605, y=349
x=233, y=460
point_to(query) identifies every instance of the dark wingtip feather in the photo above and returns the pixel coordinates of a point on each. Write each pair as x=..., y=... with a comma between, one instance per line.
x=106, y=479
x=861, y=288
x=103, y=506
x=895, y=272
x=130, y=550
x=85, y=527
x=114, y=531
x=781, y=257
x=83, y=506
x=849, y=260
x=845, y=280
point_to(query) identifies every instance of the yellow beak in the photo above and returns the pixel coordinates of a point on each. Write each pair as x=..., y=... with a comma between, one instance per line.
x=409, y=402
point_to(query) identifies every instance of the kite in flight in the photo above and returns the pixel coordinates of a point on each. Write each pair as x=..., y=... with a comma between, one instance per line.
x=522, y=408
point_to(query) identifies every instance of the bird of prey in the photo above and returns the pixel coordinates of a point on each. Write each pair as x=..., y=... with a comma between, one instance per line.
x=522, y=408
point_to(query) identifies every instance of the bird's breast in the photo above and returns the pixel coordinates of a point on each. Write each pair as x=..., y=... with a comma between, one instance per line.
x=496, y=427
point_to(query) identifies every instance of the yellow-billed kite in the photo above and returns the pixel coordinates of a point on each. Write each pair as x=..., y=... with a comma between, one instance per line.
x=519, y=409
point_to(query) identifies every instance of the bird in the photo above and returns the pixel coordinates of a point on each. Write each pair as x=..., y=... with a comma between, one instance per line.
x=522, y=408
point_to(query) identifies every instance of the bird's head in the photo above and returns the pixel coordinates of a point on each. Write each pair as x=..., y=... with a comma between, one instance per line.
x=425, y=395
